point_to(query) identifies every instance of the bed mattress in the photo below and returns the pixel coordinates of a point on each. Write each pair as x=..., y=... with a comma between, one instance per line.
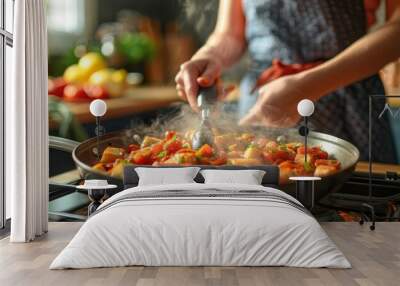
x=201, y=225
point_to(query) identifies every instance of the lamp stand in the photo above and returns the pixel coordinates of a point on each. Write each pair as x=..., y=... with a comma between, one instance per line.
x=99, y=131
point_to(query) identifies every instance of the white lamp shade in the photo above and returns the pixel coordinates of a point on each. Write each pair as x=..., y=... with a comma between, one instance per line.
x=305, y=107
x=98, y=107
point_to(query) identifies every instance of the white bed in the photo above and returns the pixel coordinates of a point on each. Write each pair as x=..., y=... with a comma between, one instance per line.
x=201, y=224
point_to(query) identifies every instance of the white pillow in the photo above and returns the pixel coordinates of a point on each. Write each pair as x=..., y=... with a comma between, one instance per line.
x=248, y=177
x=166, y=176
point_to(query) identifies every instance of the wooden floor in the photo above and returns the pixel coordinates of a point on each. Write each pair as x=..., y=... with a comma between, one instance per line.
x=375, y=257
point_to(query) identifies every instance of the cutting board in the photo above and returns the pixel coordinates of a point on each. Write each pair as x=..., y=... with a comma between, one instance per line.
x=135, y=100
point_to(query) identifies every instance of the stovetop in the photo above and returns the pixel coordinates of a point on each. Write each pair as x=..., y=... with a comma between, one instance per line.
x=345, y=204
x=384, y=195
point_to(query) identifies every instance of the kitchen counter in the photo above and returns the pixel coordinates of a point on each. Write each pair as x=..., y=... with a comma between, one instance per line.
x=136, y=100
x=377, y=168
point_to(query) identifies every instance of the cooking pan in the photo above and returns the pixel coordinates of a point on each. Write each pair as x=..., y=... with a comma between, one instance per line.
x=84, y=154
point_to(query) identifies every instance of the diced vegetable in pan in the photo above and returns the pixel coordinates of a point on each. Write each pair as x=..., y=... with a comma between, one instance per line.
x=111, y=154
x=227, y=149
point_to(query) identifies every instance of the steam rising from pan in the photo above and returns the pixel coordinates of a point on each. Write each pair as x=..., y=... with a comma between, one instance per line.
x=201, y=15
x=187, y=121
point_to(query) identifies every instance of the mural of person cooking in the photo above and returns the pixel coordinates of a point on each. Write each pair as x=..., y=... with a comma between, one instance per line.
x=315, y=49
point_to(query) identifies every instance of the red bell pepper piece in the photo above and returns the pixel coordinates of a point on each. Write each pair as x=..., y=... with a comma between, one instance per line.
x=169, y=135
x=143, y=157
x=157, y=148
x=205, y=151
x=172, y=146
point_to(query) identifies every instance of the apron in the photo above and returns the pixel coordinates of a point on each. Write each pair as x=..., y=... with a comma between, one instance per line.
x=302, y=31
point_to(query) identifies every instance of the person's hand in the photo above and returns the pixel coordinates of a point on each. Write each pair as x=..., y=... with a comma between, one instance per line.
x=277, y=103
x=202, y=72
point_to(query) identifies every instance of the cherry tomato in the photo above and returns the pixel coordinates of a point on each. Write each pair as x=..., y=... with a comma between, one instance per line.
x=322, y=155
x=172, y=146
x=169, y=135
x=56, y=86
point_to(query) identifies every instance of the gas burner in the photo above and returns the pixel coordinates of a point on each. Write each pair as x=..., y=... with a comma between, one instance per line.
x=353, y=196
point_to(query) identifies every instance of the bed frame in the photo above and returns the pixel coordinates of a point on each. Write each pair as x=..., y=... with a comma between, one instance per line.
x=131, y=179
x=271, y=177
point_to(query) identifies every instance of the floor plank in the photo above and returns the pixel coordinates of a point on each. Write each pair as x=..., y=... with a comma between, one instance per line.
x=375, y=257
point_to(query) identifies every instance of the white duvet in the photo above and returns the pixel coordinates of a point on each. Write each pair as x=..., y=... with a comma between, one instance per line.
x=207, y=230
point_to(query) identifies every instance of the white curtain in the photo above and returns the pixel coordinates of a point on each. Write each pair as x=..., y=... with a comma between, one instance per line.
x=27, y=124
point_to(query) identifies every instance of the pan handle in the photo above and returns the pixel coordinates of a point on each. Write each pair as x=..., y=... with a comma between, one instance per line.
x=66, y=145
x=62, y=144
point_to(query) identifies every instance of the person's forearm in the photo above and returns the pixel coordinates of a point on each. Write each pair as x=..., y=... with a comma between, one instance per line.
x=227, y=43
x=362, y=59
x=223, y=47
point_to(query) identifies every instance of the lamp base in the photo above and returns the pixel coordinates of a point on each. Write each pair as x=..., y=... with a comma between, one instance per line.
x=305, y=190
